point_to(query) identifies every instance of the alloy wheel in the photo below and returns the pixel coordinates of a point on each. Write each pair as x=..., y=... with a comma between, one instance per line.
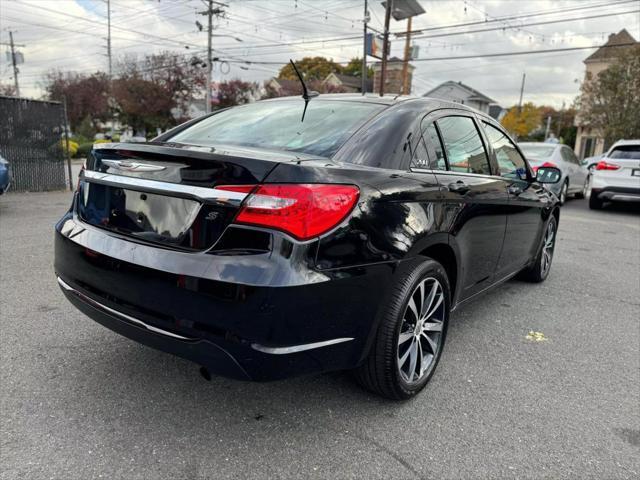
x=420, y=337
x=563, y=193
x=587, y=184
x=547, y=247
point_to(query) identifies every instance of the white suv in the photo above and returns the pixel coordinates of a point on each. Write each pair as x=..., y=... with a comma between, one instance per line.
x=616, y=177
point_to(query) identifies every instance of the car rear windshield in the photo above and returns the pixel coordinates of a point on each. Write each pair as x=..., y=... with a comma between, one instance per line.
x=537, y=151
x=628, y=152
x=277, y=125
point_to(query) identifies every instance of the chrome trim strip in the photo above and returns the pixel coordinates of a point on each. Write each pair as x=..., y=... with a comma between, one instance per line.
x=620, y=197
x=123, y=316
x=128, y=166
x=200, y=193
x=297, y=348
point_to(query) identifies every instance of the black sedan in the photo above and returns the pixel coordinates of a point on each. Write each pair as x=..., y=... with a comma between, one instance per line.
x=262, y=245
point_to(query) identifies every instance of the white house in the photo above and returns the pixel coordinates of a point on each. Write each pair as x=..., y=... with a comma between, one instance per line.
x=460, y=93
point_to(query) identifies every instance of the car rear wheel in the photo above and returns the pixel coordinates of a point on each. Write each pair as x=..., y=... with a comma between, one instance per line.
x=411, y=333
x=563, y=192
x=594, y=202
x=539, y=270
x=585, y=187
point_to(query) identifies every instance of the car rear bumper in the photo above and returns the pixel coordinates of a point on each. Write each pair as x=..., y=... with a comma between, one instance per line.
x=617, y=194
x=278, y=326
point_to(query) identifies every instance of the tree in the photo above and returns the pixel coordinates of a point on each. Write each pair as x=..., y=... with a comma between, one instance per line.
x=610, y=102
x=155, y=91
x=236, y=92
x=522, y=121
x=354, y=68
x=86, y=95
x=311, y=68
x=7, y=90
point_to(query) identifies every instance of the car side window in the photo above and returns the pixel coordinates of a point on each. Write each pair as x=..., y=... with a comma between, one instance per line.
x=420, y=156
x=510, y=162
x=569, y=156
x=463, y=145
x=434, y=147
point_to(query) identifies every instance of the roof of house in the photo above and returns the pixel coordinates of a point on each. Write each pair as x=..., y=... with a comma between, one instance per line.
x=473, y=93
x=604, y=53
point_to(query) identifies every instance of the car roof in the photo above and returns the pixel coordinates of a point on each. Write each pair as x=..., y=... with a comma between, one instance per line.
x=542, y=143
x=625, y=142
x=428, y=103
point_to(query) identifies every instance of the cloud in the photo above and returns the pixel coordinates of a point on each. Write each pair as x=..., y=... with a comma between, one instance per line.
x=72, y=37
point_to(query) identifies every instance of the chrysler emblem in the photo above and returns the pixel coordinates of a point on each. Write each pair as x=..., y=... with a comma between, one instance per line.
x=128, y=166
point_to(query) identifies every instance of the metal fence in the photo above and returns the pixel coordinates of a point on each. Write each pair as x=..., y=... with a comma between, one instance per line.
x=30, y=139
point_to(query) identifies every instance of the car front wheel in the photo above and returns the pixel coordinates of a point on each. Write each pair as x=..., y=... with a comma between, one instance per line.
x=410, y=334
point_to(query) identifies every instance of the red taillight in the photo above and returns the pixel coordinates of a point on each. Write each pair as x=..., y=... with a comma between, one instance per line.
x=304, y=211
x=602, y=165
x=545, y=164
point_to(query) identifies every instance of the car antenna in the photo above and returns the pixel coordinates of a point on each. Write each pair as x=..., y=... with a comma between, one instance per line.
x=306, y=94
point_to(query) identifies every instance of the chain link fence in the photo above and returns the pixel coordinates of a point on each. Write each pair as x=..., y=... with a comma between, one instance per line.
x=31, y=138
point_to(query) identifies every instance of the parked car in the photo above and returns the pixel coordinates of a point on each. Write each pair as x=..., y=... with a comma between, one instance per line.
x=5, y=175
x=616, y=177
x=263, y=247
x=574, y=173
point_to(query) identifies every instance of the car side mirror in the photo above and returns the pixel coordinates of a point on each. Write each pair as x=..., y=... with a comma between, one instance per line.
x=548, y=175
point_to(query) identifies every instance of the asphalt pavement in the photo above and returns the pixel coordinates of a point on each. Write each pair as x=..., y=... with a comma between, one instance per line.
x=80, y=402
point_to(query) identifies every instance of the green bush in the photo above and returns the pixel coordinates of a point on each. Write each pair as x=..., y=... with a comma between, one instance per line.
x=84, y=149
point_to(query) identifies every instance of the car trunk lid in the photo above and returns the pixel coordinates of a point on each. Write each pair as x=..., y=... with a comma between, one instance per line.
x=166, y=193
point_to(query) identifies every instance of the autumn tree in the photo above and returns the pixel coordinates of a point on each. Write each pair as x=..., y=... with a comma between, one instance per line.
x=610, y=102
x=521, y=121
x=311, y=68
x=236, y=92
x=86, y=95
x=155, y=91
x=354, y=68
x=7, y=90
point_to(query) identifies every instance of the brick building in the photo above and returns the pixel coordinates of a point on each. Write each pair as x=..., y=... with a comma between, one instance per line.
x=393, y=76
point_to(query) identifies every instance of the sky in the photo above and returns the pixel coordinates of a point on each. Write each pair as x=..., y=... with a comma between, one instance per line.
x=70, y=35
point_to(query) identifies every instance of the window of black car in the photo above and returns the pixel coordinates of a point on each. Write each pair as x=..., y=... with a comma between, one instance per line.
x=420, y=156
x=510, y=162
x=434, y=147
x=628, y=152
x=276, y=125
x=463, y=145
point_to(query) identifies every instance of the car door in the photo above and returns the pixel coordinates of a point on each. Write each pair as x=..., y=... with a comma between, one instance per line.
x=526, y=199
x=475, y=201
x=576, y=173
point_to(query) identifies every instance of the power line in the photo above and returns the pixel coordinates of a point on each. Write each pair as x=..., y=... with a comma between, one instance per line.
x=547, y=22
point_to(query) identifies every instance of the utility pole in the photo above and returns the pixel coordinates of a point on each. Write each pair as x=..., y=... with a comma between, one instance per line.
x=521, y=92
x=546, y=132
x=209, y=58
x=14, y=62
x=210, y=13
x=405, y=64
x=363, y=88
x=109, y=38
x=385, y=47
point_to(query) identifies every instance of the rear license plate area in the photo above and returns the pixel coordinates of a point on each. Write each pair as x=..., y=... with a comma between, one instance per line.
x=635, y=172
x=172, y=221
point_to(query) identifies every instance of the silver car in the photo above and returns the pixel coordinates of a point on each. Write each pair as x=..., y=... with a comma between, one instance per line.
x=575, y=174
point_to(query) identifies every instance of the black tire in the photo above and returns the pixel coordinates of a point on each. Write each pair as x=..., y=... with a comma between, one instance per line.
x=539, y=270
x=594, y=202
x=380, y=372
x=564, y=192
x=582, y=193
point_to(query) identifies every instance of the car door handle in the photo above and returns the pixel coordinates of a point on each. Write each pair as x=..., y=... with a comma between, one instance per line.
x=459, y=187
x=514, y=190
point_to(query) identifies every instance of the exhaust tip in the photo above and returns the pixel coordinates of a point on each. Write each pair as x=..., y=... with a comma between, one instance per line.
x=205, y=374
